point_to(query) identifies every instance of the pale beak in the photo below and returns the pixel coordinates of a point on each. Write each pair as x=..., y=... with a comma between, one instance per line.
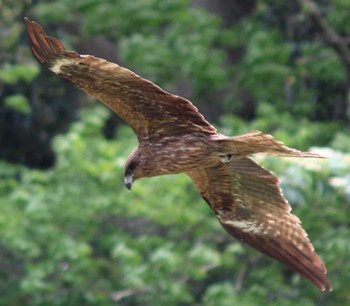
x=128, y=181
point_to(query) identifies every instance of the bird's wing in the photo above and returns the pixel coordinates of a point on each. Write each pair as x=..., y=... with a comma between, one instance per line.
x=249, y=203
x=149, y=110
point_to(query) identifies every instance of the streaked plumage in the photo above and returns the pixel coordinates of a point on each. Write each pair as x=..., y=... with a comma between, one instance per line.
x=175, y=138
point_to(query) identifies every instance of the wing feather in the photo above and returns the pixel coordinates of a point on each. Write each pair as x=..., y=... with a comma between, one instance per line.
x=149, y=110
x=249, y=203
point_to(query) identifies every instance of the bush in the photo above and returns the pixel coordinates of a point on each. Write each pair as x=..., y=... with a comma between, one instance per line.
x=74, y=235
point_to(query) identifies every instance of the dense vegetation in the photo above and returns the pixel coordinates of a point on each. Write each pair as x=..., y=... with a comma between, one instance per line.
x=71, y=234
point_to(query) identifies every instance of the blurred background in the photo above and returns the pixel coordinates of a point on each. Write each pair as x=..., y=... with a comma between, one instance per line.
x=71, y=234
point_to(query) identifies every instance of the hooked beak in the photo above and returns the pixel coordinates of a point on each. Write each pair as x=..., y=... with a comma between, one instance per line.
x=128, y=180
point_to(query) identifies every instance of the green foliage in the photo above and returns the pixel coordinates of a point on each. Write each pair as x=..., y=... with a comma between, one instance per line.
x=287, y=65
x=74, y=234
x=337, y=15
x=221, y=294
x=152, y=30
x=11, y=74
x=266, y=65
x=282, y=126
x=18, y=103
x=341, y=141
x=320, y=63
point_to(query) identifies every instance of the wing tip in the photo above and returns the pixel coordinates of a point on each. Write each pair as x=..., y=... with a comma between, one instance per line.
x=324, y=282
x=33, y=31
x=325, y=286
x=312, y=269
x=309, y=264
x=45, y=49
x=321, y=281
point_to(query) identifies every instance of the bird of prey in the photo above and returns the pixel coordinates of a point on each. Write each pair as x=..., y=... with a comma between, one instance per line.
x=175, y=138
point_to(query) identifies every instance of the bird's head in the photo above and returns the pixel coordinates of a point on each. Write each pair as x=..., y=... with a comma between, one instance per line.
x=132, y=168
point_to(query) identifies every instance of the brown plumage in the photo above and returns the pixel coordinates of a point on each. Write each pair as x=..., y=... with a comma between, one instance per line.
x=175, y=138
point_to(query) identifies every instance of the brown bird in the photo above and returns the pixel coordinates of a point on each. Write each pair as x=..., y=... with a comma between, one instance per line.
x=175, y=138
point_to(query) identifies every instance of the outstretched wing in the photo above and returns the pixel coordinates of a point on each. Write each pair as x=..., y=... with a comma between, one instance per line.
x=249, y=203
x=149, y=110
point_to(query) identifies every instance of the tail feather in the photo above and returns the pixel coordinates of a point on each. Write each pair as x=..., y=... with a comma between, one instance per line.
x=256, y=142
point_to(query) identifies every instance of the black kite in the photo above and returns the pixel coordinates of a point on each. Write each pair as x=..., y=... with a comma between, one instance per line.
x=175, y=138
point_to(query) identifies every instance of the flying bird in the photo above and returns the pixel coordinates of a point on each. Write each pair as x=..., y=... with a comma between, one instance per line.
x=175, y=138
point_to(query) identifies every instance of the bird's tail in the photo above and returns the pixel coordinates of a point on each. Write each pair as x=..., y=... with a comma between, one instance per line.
x=256, y=142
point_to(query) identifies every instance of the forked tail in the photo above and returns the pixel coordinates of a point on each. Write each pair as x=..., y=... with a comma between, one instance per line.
x=257, y=142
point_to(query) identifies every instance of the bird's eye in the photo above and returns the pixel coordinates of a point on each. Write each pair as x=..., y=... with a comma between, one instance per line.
x=226, y=158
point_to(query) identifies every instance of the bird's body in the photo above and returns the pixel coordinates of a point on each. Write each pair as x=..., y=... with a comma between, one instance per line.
x=175, y=138
x=173, y=154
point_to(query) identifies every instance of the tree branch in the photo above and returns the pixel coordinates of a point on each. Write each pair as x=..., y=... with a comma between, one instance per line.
x=338, y=44
x=335, y=41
